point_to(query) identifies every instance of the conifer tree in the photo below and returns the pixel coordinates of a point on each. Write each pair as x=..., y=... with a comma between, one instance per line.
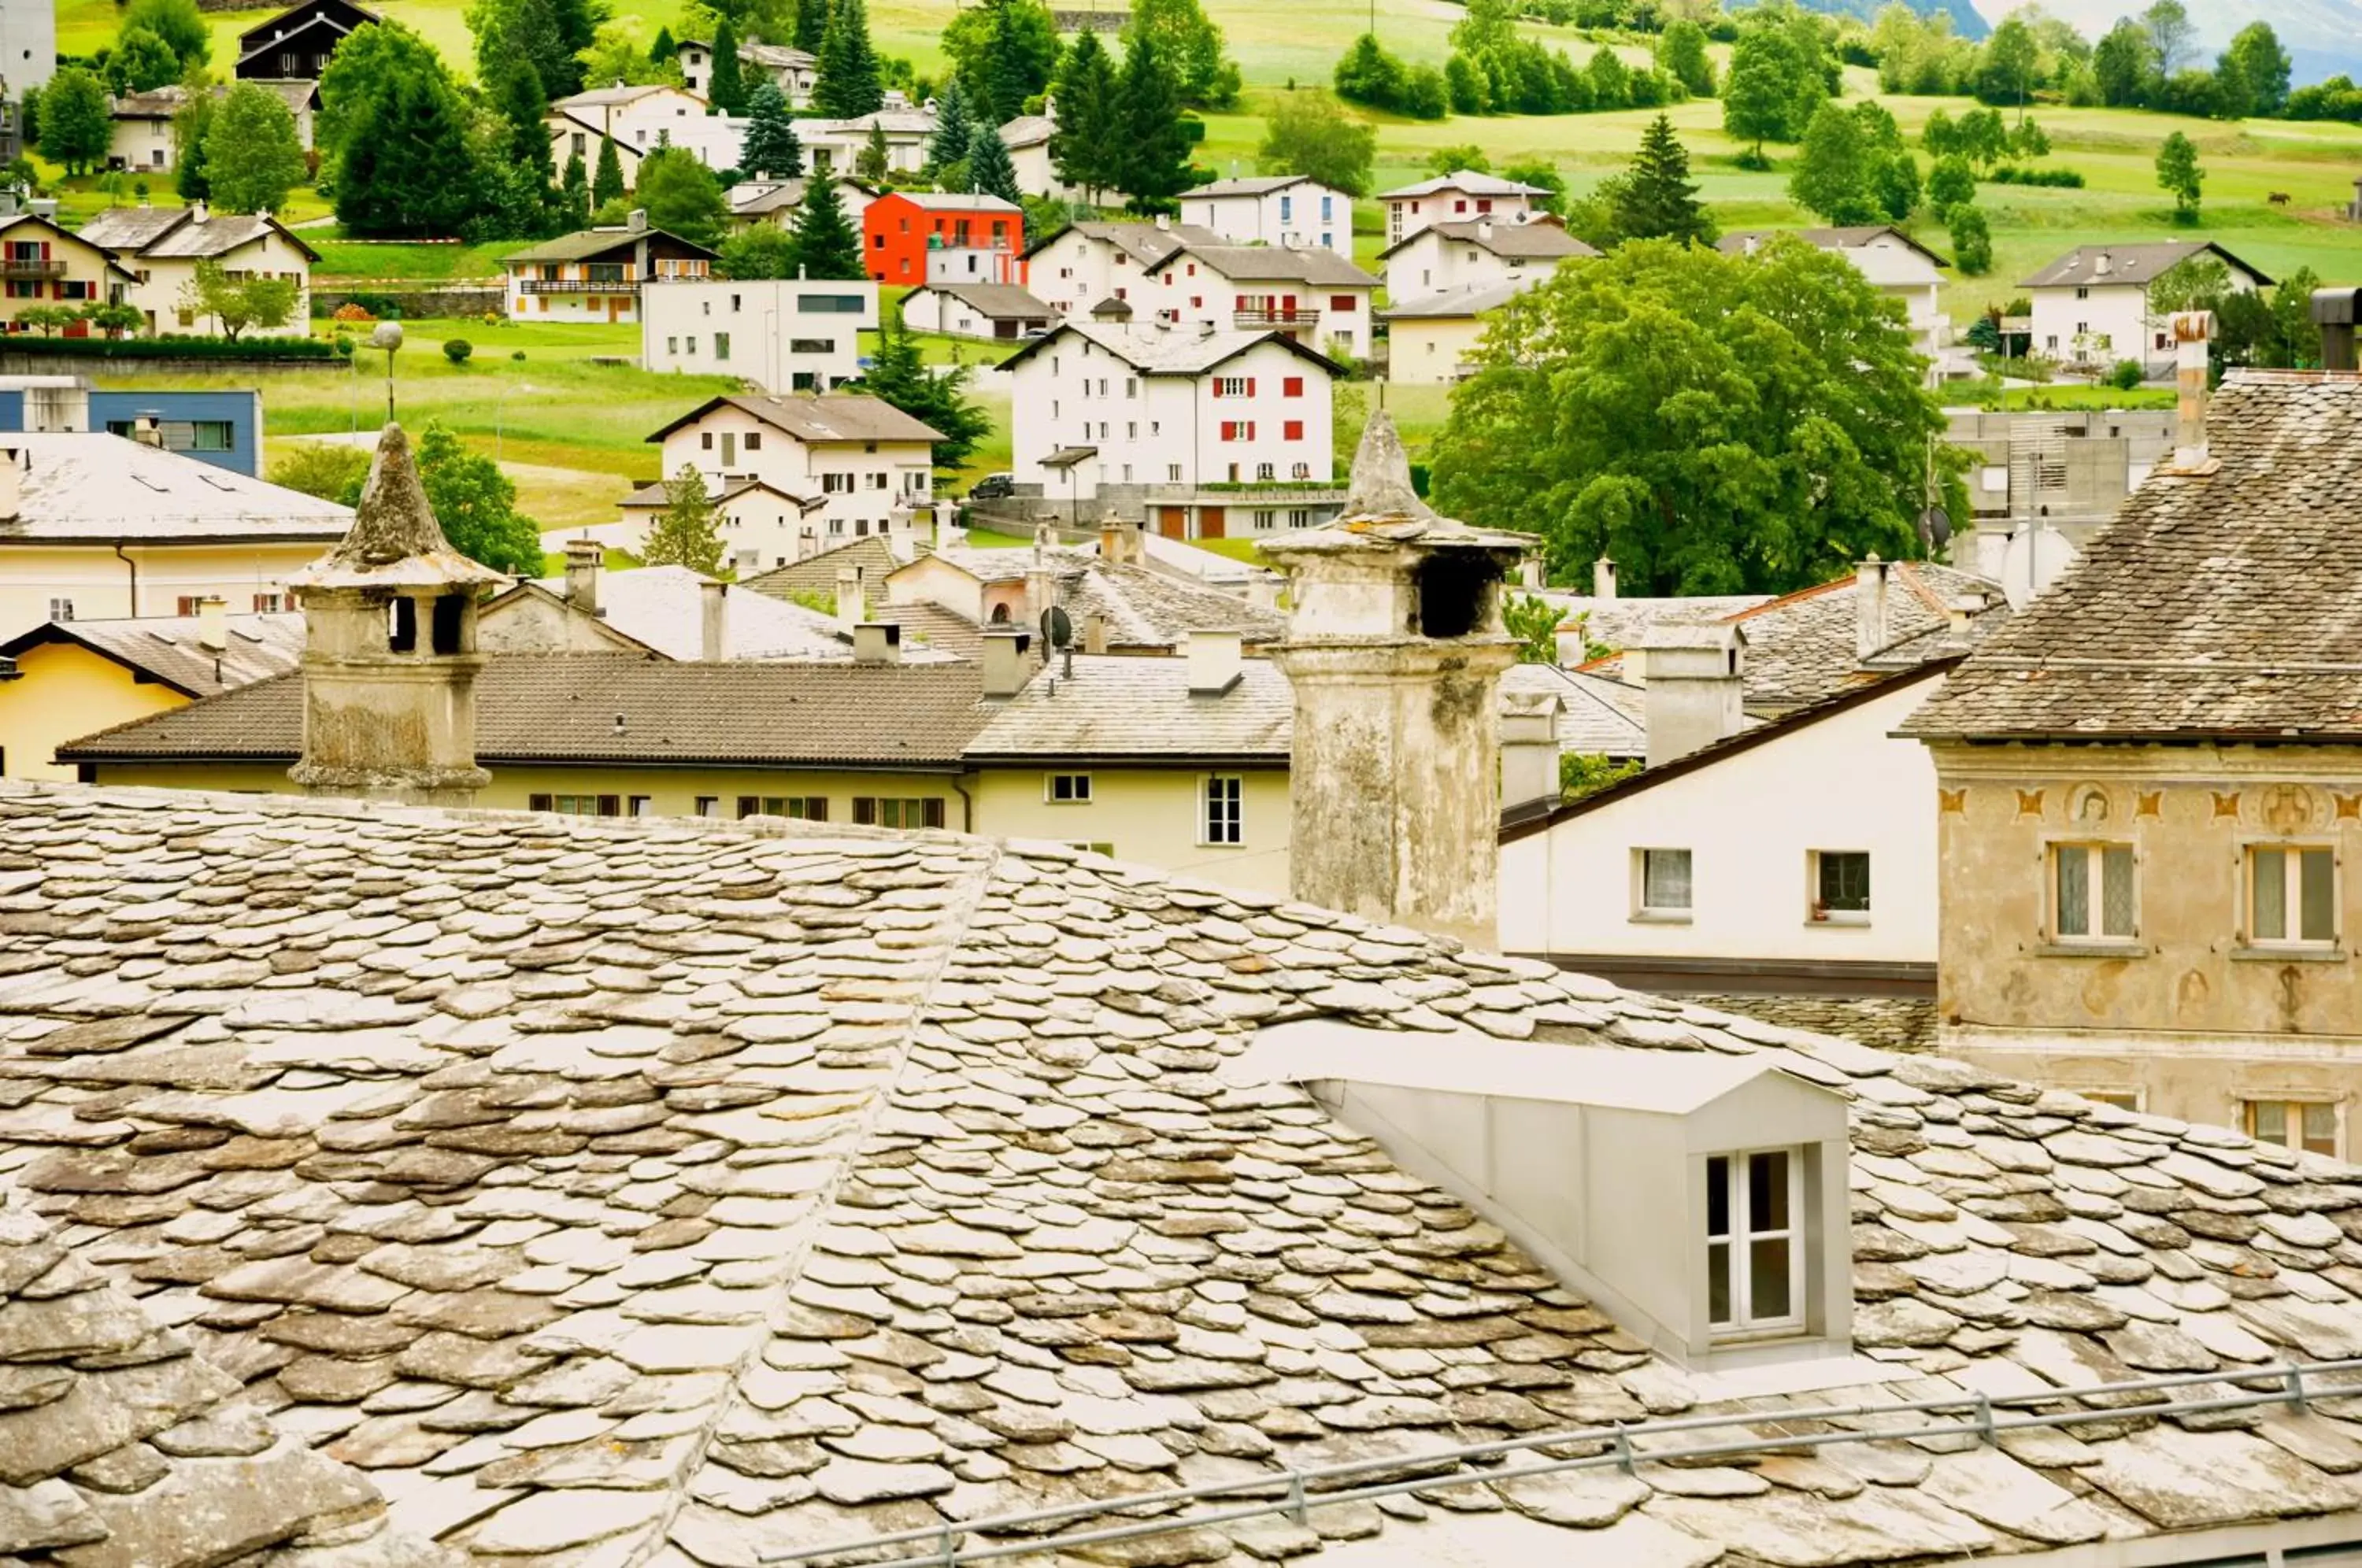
x=607, y=184
x=1151, y=147
x=726, y=90
x=1083, y=149
x=1656, y=198
x=687, y=532
x=953, y=126
x=811, y=25
x=189, y=128
x=771, y=146
x=990, y=171
x=897, y=374
x=827, y=245
x=666, y=50
x=849, y=85
x=574, y=195
x=876, y=160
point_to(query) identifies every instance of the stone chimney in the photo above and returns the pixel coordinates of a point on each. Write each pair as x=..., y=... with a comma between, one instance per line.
x=850, y=610
x=2334, y=312
x=1529, y=748
x=146, y=431
x=1871, y=580
x=1262, y=591
x=713, y=621
x=583, y=559
x=1394, y=648
x=1120, y=541
x=1214, y=663
x=389, y=656
x=636, y=221
x=2192, y=330
x=1603, y=579
x=212, y=623
x=1004, y=662
x=1094, y=637
x=1695, y=690
x=877, y=642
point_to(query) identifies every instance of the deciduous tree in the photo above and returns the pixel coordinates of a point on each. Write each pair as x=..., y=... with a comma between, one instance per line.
x=179, y=23
x=140, y=62
x=764, y=251
x=76, y=128
x=1310, y=133
x=1971, y=239
x=476, y=505
x=682, y=195
x=1833, y=170
x=1680, y=54
x=253, y=157
x=1190, y=46
x=190, y=125
x=2261, y=68
x=1761, y=93
x=2124, y=65
x=2179, y=176
x=235, y=304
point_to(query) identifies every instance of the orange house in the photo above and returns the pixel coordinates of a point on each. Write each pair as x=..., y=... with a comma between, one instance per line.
x=914, y=238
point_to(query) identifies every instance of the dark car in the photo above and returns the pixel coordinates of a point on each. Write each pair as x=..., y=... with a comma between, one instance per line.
x=993, y=487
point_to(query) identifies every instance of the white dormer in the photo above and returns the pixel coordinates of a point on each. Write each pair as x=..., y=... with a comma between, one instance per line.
x=1700, y=1199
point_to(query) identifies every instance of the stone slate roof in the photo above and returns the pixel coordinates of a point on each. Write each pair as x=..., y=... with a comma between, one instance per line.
x=664, y=607
x=564, y=708
x=2139, y=264
x=1745, y=242
x=165, y=648
x=120, y=1447
x=174, y=234
x=1315, y=266
x=817, y=416
x=1145, y=608
x=869, y=554
x=1146, y=243
x=679, y=1191
x=1133, y=709
x=996, y=301
x=1540, y=239
x=1891, y=1023
x=1597, y=717
x=2221, y=602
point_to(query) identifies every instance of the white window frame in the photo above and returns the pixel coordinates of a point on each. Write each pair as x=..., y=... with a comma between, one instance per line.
x=1221, y=810
x=1066, y=789
x=2291, y=915
x=1818, y=913
x=1743, y=1323
x=2096, y=898
x=1642, y=908
x=2299, y=1104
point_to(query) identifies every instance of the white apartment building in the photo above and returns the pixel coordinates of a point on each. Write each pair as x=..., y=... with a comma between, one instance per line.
x=1313, y=295
x=836, y=146
x=1213, y=431
x=1892, y=261
x=161, y=248
x=1445, y=258
x=867, y=459
x=2092, y=306
x=1293, y=210
x=783, y=334
x=640, y=120
x=1087, y=265
x=793, y=71
x=1460, y=196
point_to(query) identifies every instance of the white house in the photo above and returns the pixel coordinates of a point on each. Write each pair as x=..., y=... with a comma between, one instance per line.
x=1460, y=195
x=640, y=120
x=1000, y=311
x=596, y=274
x=1087, y=264
x=783, y=334
x=1800, y=849
x=1314, y=294
x=755, y=202
x=1274, y=209
x=868, y=459
x=1214, y=431
x=162, y=246
x=836, y=146
x=793, y=71
x=1482, y=254
x=2092, y=306
x=761, y=525
x=1028, y=140
x=141, y=134
x=1894, y=264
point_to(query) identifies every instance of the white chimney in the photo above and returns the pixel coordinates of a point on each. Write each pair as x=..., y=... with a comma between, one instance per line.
x=1529, y=747
x=1095, y=639
x=1214, y=663
x=713, y=621
x=1262, y=591
x=1695, y=689
x=1484, y=231
x=1602, y=578
x=877, y=642
x=1869, y=620
x=1529, y=573
x=849, y=610
x=1004, y=663
x=636, y=220
x=2102, y=265
x=583, y=558
x=212, y=623
x=197, y=213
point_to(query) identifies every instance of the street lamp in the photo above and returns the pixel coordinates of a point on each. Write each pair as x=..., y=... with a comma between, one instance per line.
x=500, y=411
x=388, y=337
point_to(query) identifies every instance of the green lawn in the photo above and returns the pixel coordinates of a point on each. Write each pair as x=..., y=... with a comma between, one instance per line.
x=346, y=260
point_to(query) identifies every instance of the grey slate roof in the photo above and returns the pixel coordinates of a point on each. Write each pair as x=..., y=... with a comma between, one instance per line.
x=1248, y=185
x=585, y=243
x=1157, y=349
x=1028, y=130
x=173, y=233
x=664, y=607
x=998, y=302
x=1528, y=240
x=2141, y=264
x=1316, y=265
x=1146, y=243
x=1142, y=607
x=564, y=708
x=2224, y=602
x=1457, y=303
x=1597, y=717
x=1124, y=708
x=868, y=555
x=91, y=488
x=1744, y=242
x=817, y=416
x=166, y=649
x=130, y=228
x=674, y=1191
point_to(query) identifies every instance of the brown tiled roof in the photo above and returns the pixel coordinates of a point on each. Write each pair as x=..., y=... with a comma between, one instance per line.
x=2224, y=602
x=164, y=648
x=610, y=708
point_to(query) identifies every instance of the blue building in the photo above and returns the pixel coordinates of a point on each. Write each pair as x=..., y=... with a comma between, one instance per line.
x=223, y=428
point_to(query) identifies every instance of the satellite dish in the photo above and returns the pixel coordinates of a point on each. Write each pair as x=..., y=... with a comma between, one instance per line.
x=1937, y=526
x=1057, y=628
x=2038, y=553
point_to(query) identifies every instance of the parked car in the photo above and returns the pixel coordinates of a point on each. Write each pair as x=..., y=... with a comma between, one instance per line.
x=994, y=487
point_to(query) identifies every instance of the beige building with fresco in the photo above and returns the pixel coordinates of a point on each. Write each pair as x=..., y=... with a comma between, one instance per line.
x=2149, y=793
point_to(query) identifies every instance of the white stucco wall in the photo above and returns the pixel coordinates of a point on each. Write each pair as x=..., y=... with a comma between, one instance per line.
x=1751, y=823
x=773, y=329
x=1300, y=215
x=869, y=482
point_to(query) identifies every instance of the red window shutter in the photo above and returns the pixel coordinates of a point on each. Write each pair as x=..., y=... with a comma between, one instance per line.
x=537, y=802
x=1230, y=431
x=1218, y=386
x=1293, y=430
x=931, y=812
x=1249, y=386
x=1243, y=301
x=1292, y=386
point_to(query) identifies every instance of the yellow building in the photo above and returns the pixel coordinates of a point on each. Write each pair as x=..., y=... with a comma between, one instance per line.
x=162, y=247
x=41, y=264
x=1433, y=341
x=62, y=680
x=100, y=528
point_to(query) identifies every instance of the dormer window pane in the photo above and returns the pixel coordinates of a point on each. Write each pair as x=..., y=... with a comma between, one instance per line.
x=1754, y=1275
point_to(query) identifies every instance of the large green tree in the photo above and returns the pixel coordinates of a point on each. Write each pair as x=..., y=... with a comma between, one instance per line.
x=140, y=62
x=1310, y=133
x=682, y=195
x=190, y=125
x=765, y=250
x=899, y=374
x=179, y=23
x=2124, y=65
x=76, y=127
x=1715, y=423
x=849, y=84
x=253, y=156
x=990, y=170
x=810, y=26
x=1833, y=170
x=1153, y=146
x=827, y=243
x=1191, y=47
x=954, y=125
x=2009, y=66
x=687, y=532
x=399, y=135
x=1655, y=198
x=607, y=180
x=510, y=31
x=2259, y=66
x=476, y=505
x=1084, y=149
x=771, y=146
x=2179, y=176
x=1680, y=54
x=2171, y=35
x=1002, y=52
x=1762, y=90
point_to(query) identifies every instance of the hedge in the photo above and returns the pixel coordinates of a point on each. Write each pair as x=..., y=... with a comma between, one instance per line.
x=2014, y=174
x=168, y=348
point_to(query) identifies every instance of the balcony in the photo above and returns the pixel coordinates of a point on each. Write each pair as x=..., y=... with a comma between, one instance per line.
x=578, y=286
x=1281, y=316
x=19, y=267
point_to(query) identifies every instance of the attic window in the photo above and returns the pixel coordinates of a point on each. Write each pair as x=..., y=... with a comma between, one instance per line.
x=1754, y=1267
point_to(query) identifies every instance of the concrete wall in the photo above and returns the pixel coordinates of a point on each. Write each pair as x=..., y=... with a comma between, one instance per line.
x=64, y=692
x=2186, y=1013
x=99, y=583
x=1150, y=815
x=1751, y=824
x=440, y=304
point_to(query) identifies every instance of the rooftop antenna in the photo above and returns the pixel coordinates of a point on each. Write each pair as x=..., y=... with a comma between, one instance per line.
x=1058, y=632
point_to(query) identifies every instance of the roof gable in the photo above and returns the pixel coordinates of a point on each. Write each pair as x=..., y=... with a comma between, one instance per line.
x=344, y=14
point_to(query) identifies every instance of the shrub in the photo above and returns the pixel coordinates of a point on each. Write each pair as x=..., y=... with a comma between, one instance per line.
x=172, y=347
x=2017, y=174
x=2126, y=375
x=382, y=307
x=457, y=350
x=344, y=346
